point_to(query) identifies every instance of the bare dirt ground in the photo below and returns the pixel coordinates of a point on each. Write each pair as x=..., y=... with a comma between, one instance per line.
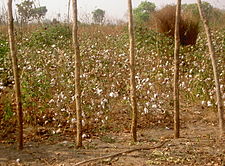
x=199, y=145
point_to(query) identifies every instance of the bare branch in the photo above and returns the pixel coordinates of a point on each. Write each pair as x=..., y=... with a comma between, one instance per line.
x=120, y=154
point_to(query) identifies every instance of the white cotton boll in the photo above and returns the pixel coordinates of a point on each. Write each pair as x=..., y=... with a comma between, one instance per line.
x=148, y=103
x=116, y=94
x=63, y=109
x=82, y=114
x=111, y=94
x=183, y=84
x=84, y=136
x=58, y=131
x=167, y=128
x=156, y=95
x=145, y=110
x=209, y=104
x=29, y=68
x=83, y=123
x=203, y=102
x=99, y=91
x=103, y=103
x=160, y=102
x=154, y=106
x=152, y=99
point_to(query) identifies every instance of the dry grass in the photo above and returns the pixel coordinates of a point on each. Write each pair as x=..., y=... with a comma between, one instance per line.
x=165, y=20
x=3, y=29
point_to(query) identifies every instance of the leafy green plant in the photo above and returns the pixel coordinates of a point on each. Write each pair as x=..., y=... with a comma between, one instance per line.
x=49, y=35
x=8, y=110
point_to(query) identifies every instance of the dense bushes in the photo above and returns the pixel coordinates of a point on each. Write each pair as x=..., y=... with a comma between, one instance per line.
x=165, y=23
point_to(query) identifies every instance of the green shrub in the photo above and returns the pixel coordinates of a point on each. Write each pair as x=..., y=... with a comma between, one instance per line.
x=48, y=36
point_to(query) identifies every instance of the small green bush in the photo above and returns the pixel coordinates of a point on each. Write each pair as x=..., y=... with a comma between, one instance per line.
x=48, y=36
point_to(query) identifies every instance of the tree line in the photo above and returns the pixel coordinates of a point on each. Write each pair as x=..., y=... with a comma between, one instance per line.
x=143, y=13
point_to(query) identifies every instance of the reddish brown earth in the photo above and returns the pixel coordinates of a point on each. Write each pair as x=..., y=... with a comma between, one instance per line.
x=199, y=145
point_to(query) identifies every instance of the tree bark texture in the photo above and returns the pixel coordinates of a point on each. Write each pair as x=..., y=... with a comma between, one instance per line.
x=132, y=74
x=77, y=75
x=16, y=76
x=176, y=72
x=215, y=71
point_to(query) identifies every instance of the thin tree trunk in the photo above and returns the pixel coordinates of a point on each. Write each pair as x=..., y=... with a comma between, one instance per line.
x=132, y=74
x=16, y=76
x=176, y=72
x=215, y=72
x=77, y=75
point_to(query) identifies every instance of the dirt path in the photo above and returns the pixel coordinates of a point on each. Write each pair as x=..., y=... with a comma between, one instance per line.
x=199, y=146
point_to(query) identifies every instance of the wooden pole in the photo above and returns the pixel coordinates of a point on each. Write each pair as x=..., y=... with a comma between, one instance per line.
x=68, y=14
x=77, y=75
x=176, y=72
x=16, y=76
x=132, y=74
x=215, y=72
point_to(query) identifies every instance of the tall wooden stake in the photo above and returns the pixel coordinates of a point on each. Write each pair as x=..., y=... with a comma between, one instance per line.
x=16, y=76
x=68, y=14
x=77, y=75
x=176, y=72
x=215, y=72
x=132, y=74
